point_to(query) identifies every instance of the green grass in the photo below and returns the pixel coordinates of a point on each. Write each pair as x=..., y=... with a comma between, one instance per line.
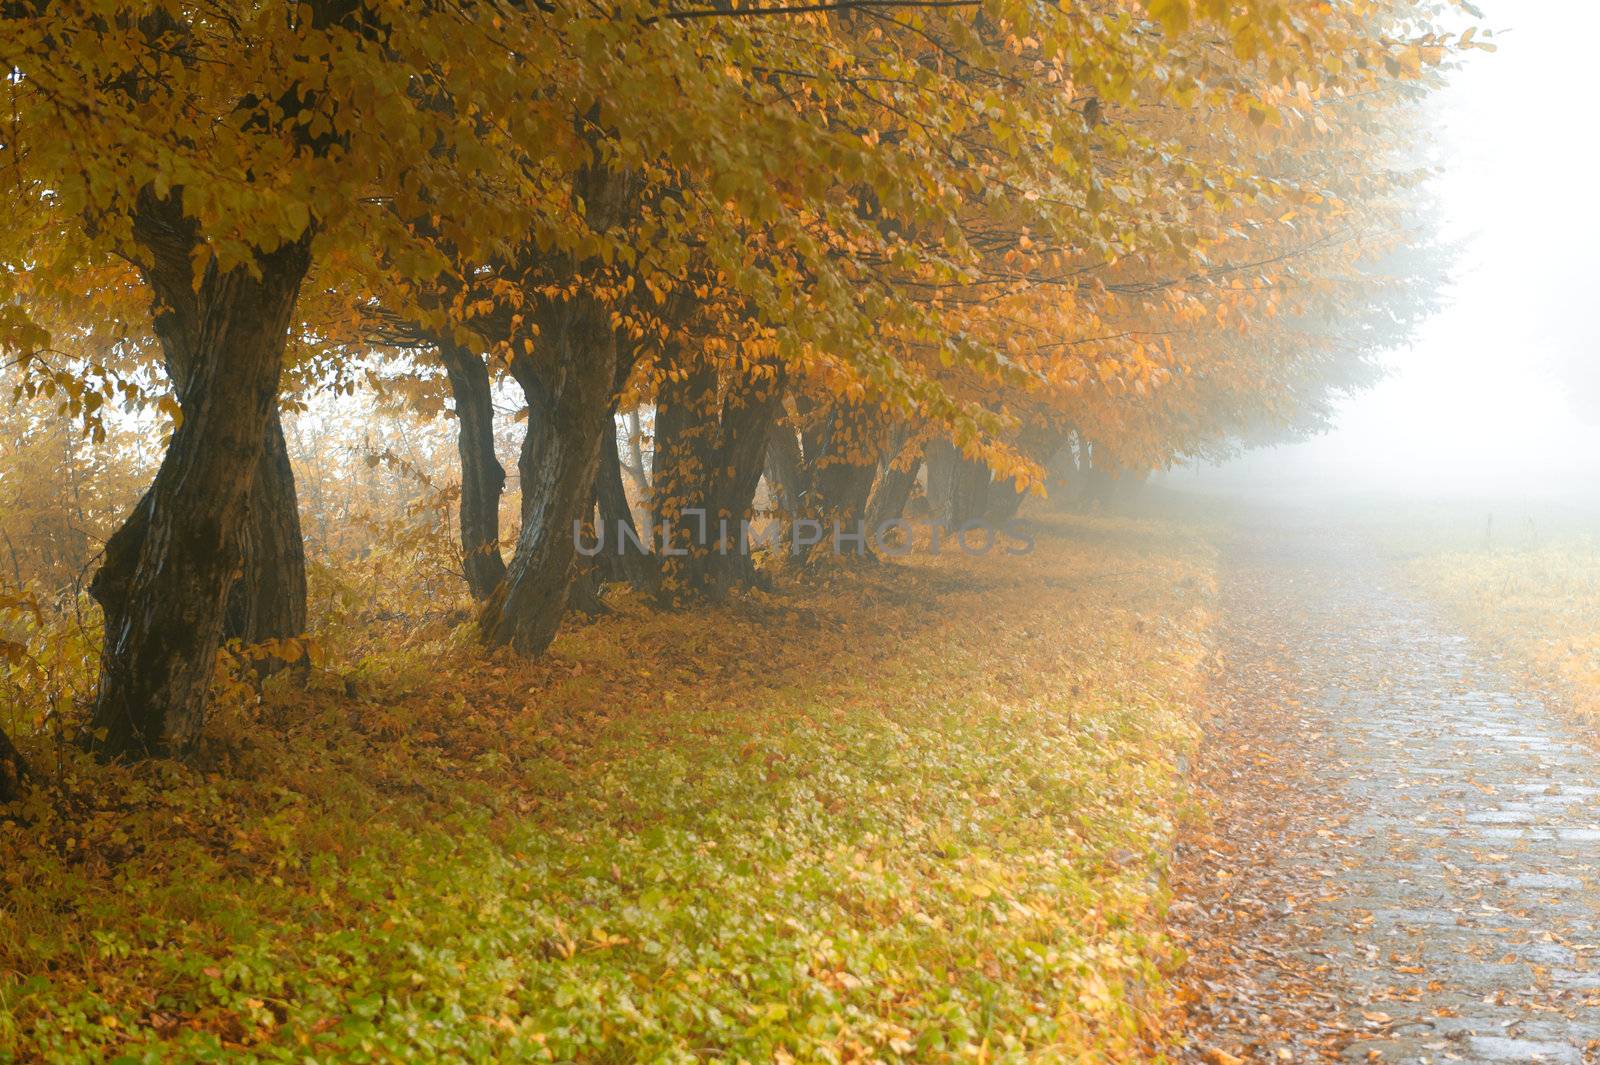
x=918, y=814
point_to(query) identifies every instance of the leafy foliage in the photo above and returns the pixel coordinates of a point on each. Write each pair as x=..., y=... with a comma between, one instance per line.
x=923, y=207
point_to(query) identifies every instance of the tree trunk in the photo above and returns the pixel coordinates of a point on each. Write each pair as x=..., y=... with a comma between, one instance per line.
x=972, y=493
x=569, y=409
x=633, y=465
x=786, y=470
x=709, y=459
x=843, y=490
x=686, y=446
x=1063, y=473
x=1099, y=480
x=165, y=622
x=1040, y=442
x=893, y=490
x=748, y=414
x=1004, y=500
x=268, y=601
x=583, y=597
x=571, y=383
x=619, y=556
x=958, y=487
x=13, y=770
x=482, y=476
x=841, y=455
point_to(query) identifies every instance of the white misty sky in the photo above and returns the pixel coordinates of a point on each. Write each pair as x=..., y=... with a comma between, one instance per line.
x=1502, y=389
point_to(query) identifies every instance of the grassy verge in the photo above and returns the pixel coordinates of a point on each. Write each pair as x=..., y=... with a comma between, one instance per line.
x=917, y=813
x=1539, y=605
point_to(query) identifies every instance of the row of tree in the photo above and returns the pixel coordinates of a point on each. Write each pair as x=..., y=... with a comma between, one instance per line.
x=823, y=242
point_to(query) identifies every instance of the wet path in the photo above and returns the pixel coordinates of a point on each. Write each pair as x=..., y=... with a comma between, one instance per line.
x=1432, y=833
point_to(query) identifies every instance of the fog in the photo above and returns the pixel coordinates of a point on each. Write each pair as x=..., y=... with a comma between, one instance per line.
x=1500, y=395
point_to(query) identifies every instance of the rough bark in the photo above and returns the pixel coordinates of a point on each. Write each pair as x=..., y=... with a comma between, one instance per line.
x=893, y=490
x=268, y=601
x=633, y=463
x=711, y=448
x=165, y=622
x=14, y=771
x=748, y=415
x=482, y=477
x=686, y=446
x=841, y=470
x=571, y=384
x=786, y=470
x=569, y=410
x=958, y=487
x=619, y=558
x=1004, y=500
x=583, y=597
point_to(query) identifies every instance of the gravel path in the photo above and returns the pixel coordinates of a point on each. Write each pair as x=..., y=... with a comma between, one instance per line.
x=1428, y=833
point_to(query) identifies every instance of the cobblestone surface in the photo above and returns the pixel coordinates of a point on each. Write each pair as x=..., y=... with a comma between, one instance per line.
x=1457, y=830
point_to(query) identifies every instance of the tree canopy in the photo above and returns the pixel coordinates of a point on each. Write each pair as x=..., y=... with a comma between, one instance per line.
x=821, y=238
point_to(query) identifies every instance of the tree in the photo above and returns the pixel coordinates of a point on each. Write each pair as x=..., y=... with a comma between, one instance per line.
x=227, y=149
x=569, y=379
x=997, y=221
x=482, y=476
x=13, y=770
